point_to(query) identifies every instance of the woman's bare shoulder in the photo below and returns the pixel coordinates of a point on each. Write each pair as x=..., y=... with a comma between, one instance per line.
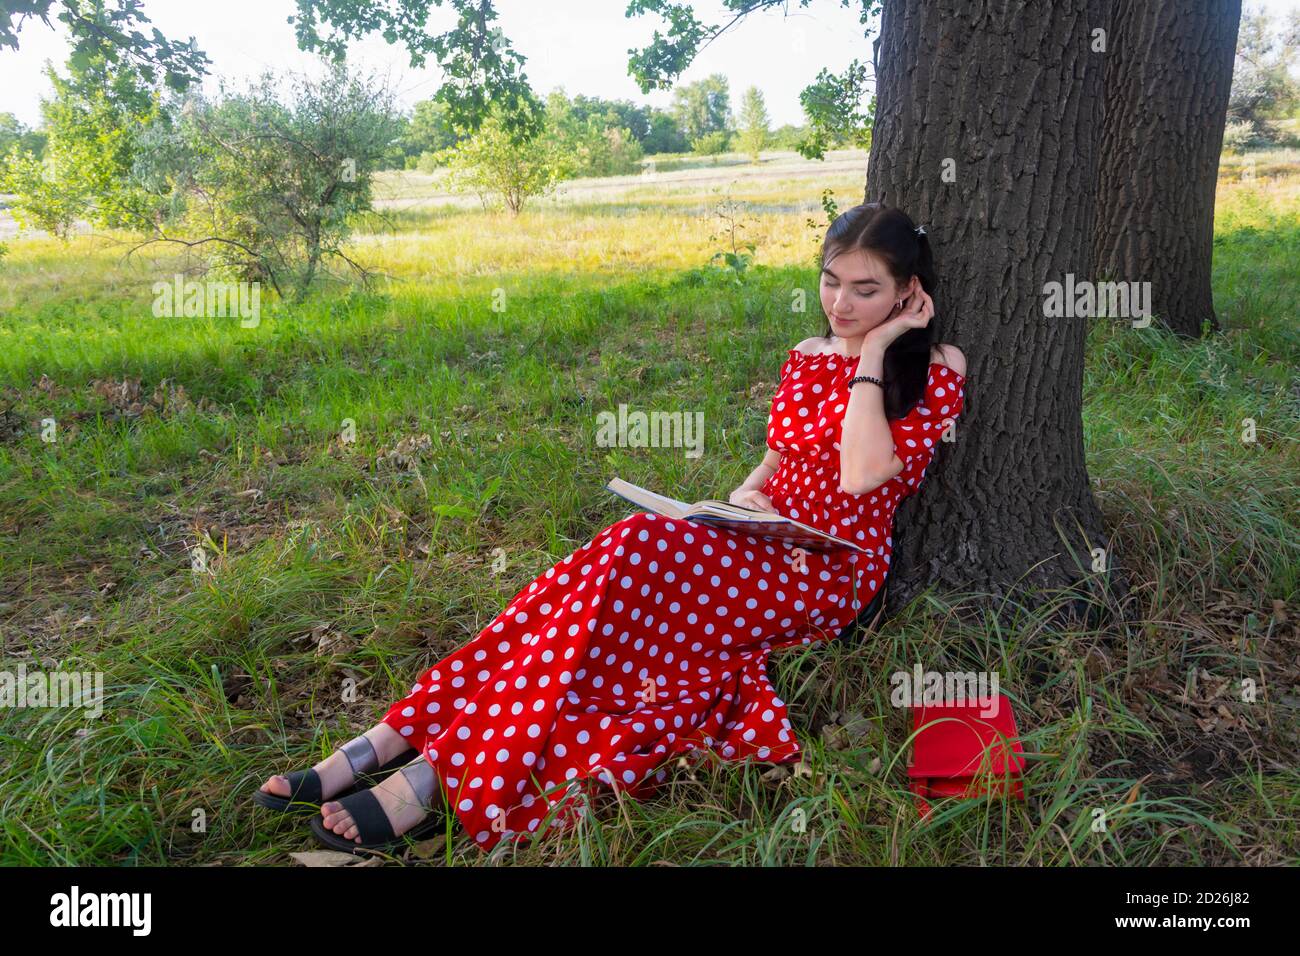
x=950, y=356
x=816, y=345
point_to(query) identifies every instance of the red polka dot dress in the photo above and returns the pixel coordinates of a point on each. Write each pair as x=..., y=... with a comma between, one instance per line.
x=652, y=639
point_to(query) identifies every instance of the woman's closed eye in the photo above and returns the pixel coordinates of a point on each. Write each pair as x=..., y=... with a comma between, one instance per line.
x=865, y=295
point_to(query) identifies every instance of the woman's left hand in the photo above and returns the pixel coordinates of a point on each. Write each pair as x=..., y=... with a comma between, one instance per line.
x=918, y=309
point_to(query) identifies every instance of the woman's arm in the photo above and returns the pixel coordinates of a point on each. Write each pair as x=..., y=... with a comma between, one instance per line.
x=867, y=458
x=758, y=477
x=767, y=467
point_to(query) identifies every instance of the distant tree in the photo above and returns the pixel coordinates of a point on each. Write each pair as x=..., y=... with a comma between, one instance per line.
x=395, y=154
x=429, y=130
x=614, y=114
x=754, y=133
x=505, y=167
x=788, y=136
x=702, y=107
x=665, y=136
x=14, y=134
x=833, y=103
x=591, y=144
x=93, y=123
x=482, y=68
x=1262, y=85
x=712, y=144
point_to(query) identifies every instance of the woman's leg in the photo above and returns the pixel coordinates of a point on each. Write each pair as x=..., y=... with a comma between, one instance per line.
x=403, y=806
x=335, y=772
x=401, y=728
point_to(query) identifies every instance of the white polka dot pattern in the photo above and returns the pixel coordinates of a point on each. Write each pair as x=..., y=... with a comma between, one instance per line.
x=649, y=641
x=806, y=424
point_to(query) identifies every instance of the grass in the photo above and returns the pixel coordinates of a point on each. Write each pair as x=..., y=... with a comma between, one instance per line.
x=332, y=563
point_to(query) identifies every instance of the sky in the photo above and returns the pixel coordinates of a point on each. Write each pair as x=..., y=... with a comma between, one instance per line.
x=578, y=45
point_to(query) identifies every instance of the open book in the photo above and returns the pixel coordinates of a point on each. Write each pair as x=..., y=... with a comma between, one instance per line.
x=723, y=514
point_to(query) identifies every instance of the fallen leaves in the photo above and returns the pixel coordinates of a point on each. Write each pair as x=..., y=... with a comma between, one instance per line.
x=125, y=398
x=428, y=849
x=776, y=777
x=846, y=730
x=326, y=640
x=405, y=455
x=1208, y=697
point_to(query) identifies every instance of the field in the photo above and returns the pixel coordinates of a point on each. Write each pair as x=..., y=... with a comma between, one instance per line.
x=233, y=521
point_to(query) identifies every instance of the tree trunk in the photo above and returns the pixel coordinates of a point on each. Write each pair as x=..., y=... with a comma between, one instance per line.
x=1167, y=79
x=1007, y=96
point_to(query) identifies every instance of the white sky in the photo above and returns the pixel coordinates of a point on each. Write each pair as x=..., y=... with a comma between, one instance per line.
x=580, y=45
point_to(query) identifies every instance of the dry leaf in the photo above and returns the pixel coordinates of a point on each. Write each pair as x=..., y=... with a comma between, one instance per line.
x=427, y=849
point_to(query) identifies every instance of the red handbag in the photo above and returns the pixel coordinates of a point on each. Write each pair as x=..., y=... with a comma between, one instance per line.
x=960, y=752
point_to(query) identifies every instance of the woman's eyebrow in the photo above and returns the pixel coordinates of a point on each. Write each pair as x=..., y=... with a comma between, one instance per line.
x=855, y=281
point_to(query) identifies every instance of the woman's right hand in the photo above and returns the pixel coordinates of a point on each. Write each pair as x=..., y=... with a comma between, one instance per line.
x=752, y=498
x=916, y=313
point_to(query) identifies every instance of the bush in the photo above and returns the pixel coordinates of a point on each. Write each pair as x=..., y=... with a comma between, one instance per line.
x=268, y=188
x=500, y=167
x=712, y=144
x=428, y=162
x=1237, y=136
x=596, y=144
x=607, y=152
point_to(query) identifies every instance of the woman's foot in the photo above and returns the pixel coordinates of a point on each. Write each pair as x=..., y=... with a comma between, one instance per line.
x=401, y=804
x=335, y=771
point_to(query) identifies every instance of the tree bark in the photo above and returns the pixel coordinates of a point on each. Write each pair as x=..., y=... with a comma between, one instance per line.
x=1007, y=95
x=1167, y=79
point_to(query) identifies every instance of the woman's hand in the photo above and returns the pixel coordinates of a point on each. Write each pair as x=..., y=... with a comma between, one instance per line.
x=751, y=498
x=918, y=309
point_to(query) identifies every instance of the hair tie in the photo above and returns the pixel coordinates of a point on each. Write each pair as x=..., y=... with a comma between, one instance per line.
x=920, y=230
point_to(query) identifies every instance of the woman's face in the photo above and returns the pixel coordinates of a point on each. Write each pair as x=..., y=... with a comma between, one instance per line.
x=858, y=293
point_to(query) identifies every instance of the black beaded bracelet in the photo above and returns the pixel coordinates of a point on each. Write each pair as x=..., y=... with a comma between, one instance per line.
x=866, y=378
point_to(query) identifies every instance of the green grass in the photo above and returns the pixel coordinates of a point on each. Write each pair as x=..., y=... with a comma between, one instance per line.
x=501, y=340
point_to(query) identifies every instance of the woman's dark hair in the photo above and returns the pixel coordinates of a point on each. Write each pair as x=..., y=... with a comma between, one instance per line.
x=890, y=235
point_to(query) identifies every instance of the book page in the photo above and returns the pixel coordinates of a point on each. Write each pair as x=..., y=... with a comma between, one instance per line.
x=647, y=499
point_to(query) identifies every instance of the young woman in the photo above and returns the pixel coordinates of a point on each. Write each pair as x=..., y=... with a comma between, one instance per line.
x=652, y=639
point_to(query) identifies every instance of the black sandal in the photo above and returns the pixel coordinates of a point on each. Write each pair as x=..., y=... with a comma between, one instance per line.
x=372, y=822
x=305, y=794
